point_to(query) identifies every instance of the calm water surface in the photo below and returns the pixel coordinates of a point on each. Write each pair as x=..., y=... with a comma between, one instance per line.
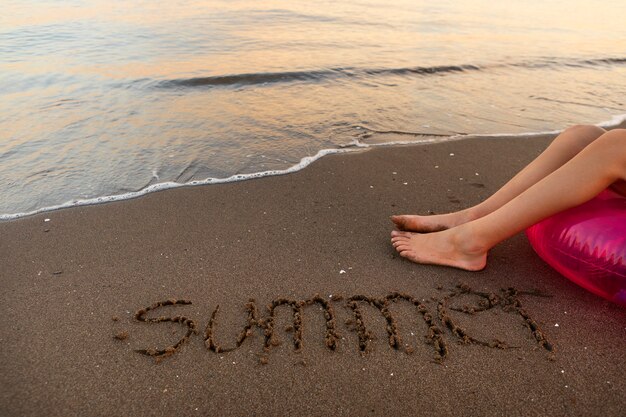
x=103, y=98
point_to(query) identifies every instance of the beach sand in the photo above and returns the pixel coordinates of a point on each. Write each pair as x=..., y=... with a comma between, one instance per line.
x=373, y=334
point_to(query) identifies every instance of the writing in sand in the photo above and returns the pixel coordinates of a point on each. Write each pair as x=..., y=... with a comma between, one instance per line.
x=438, y=317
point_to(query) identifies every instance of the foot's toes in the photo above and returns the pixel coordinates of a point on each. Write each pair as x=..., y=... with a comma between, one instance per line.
x=407, y=253
x=397, y=243
x=398, y=233
x=401, y=243
x=402, y=246
x=420, y=224
x=403, y=222
x=399, y=221
x=400, y=240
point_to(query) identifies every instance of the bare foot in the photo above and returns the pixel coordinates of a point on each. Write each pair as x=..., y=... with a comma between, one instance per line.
x=442, y=248
x=434, y=223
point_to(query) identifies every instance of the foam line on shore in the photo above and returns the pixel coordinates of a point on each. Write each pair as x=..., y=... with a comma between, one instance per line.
x=353, y=146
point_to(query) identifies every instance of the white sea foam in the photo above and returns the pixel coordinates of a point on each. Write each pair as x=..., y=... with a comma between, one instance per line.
x=304, y=162
x=607, y=124
x=614, y=122
x=355, y=145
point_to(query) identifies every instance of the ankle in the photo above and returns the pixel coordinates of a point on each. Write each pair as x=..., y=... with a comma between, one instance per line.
x=466, y=240
x=475, y=213
x=464, y=216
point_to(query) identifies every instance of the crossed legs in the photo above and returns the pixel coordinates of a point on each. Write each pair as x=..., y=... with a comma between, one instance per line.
x=578, y=165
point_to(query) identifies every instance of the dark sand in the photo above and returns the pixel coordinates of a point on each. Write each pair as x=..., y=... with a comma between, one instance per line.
x=71, y=288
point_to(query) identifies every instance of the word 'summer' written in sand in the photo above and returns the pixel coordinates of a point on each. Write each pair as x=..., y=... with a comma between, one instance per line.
x=440, y=326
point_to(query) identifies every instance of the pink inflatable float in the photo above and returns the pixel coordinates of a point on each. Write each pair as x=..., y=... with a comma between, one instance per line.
x=587, y=244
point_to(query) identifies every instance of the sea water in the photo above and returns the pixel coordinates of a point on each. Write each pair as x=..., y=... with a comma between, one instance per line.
x=104, y=100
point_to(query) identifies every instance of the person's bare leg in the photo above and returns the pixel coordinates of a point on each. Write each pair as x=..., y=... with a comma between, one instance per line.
x=563, y=148
x=598, y=166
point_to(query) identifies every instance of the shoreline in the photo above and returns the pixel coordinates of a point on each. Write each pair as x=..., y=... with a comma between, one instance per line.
x=617, y=121
x=85, y=291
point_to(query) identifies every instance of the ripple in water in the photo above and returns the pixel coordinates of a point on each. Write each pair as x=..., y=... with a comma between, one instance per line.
x=101, y=99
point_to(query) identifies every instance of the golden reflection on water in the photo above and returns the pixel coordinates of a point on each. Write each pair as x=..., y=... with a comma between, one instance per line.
x=86, y=108
x=305, y=35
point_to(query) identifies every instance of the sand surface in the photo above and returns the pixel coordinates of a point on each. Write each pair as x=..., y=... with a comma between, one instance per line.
x=317, y=315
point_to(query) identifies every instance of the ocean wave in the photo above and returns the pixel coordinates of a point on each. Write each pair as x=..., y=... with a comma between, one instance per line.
x=248, y=79
x=316, y=75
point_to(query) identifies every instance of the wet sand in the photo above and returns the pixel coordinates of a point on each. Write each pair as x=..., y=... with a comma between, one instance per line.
x=282, y=295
